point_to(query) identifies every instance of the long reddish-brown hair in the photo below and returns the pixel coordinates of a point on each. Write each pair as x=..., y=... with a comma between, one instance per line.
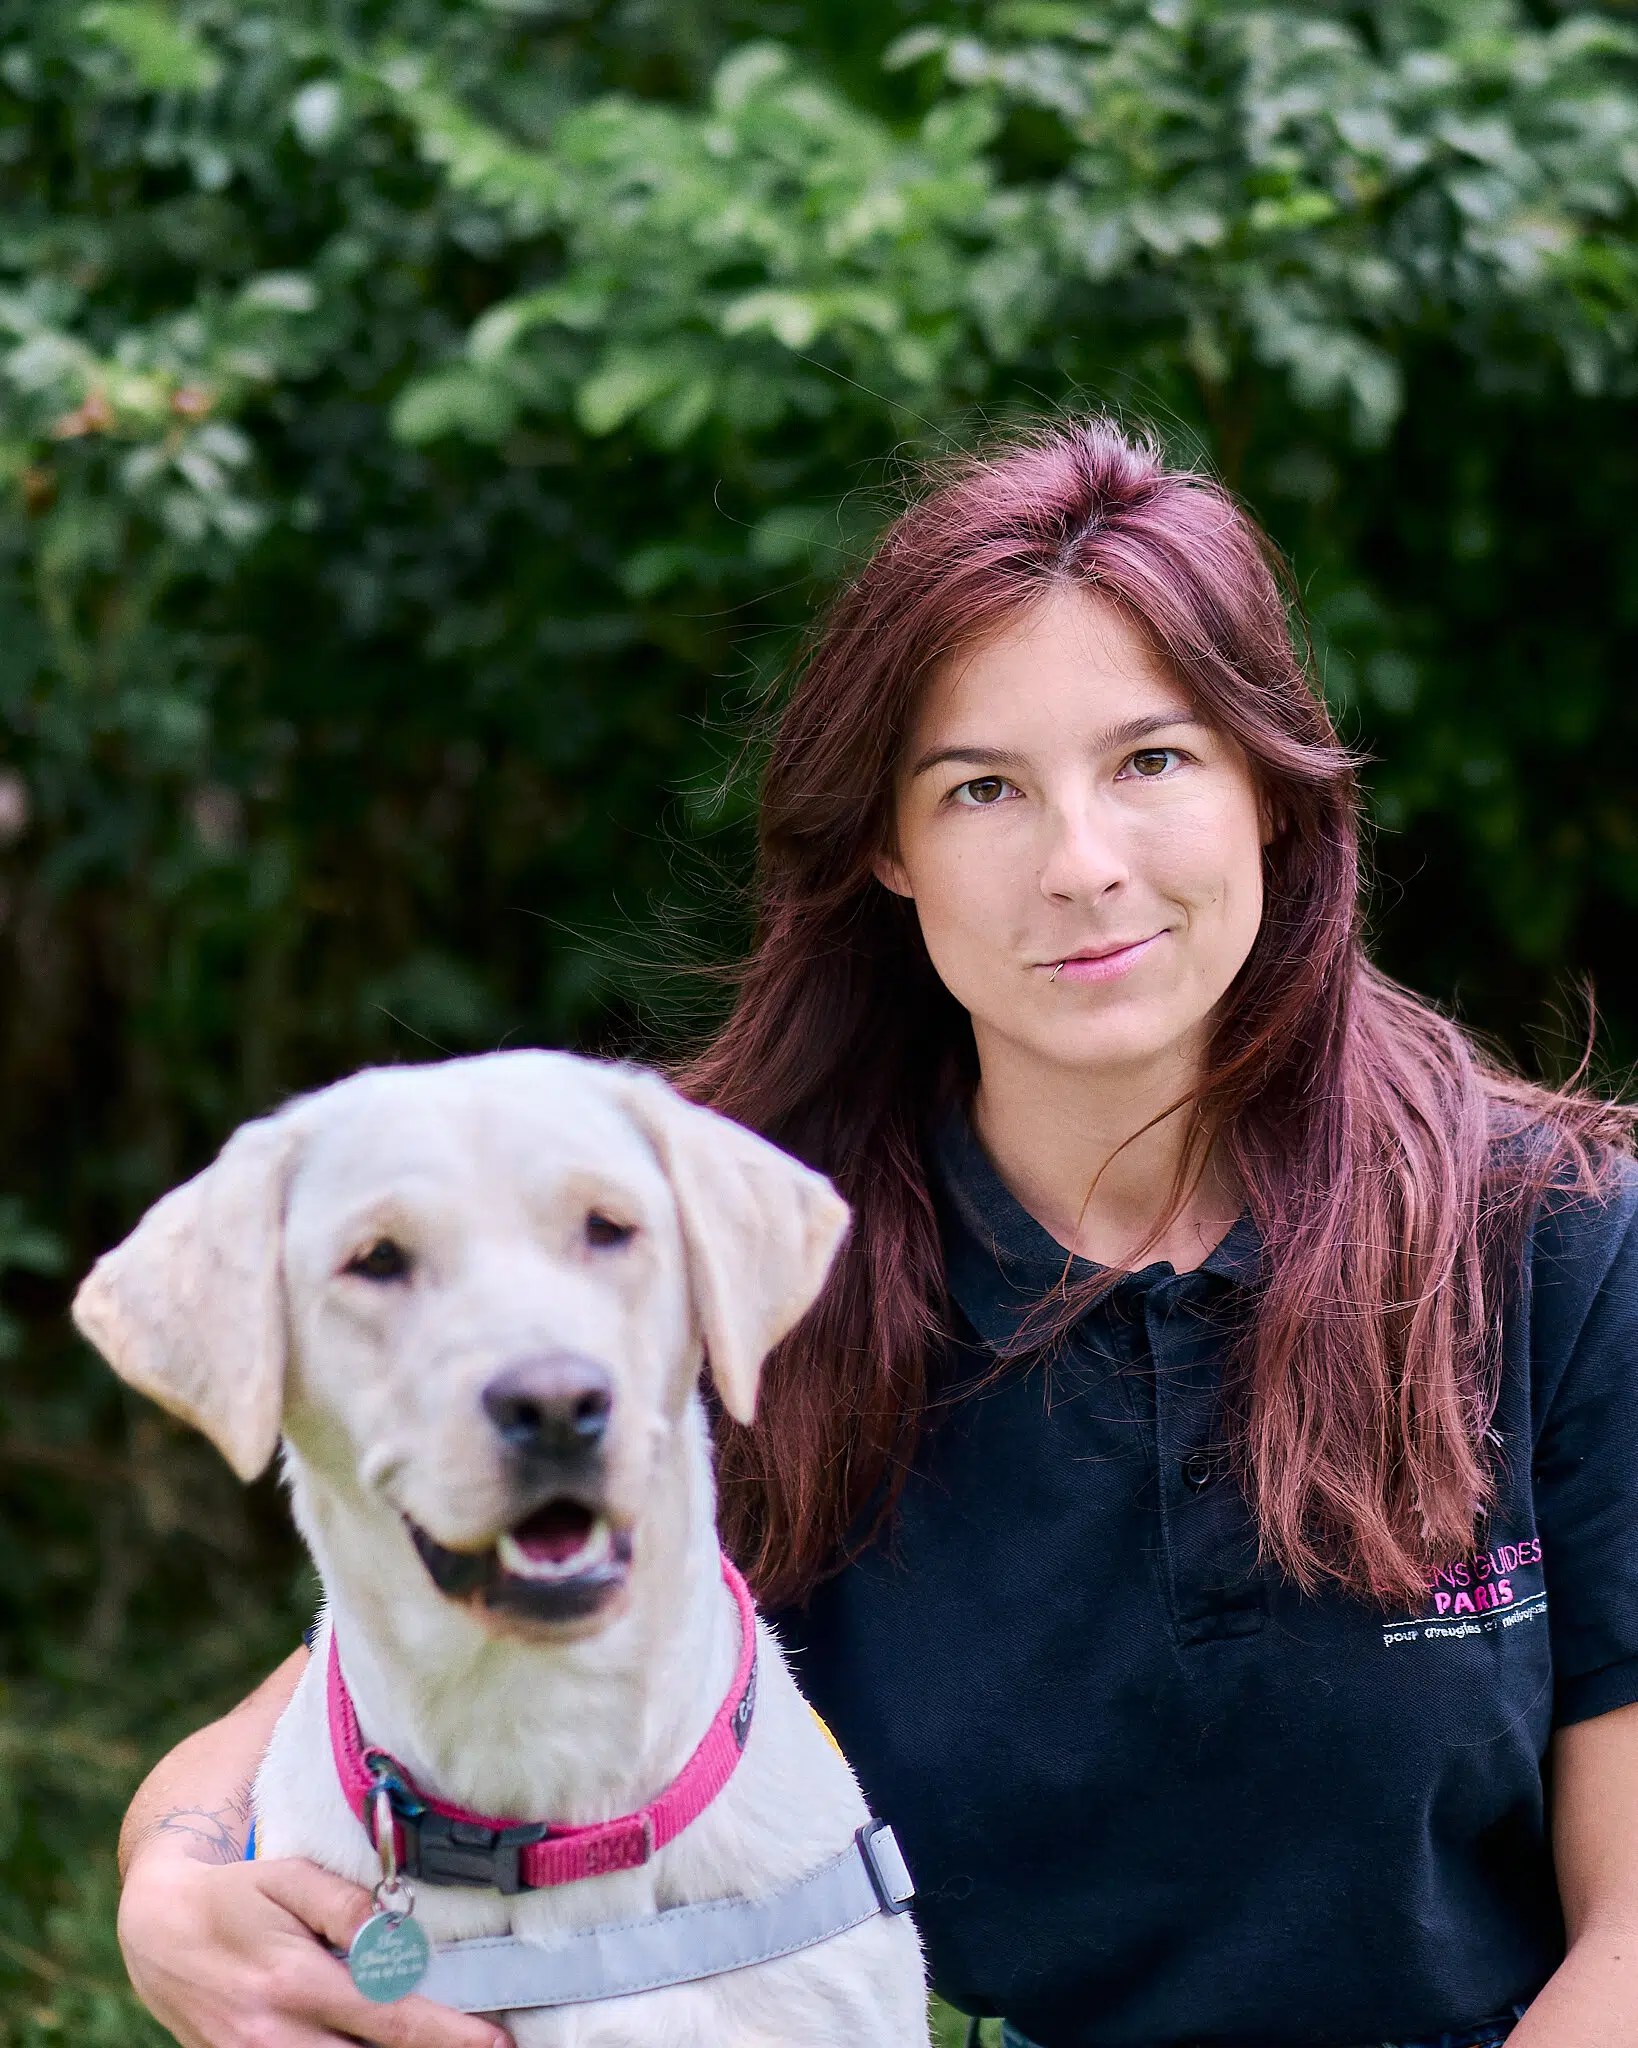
x=1389, y=1163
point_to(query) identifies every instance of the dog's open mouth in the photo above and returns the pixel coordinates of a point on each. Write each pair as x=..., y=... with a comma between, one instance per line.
x=559, y=1541
x=563, y=1562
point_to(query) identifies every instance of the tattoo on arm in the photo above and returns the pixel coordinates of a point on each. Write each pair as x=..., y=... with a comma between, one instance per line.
x=214, y=1836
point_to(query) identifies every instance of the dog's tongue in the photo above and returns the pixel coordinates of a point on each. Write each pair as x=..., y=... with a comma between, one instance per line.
x=553, y=1534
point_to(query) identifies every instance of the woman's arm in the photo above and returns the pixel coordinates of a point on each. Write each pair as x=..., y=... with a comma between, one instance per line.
x=1593, y=1995
x=198, y=1797
x=222, y=1952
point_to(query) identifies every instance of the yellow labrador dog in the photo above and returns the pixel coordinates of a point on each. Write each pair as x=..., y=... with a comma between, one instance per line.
x=475, y=1298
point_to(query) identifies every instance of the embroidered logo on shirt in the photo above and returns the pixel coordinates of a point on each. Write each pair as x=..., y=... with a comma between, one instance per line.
x=1477, y=1596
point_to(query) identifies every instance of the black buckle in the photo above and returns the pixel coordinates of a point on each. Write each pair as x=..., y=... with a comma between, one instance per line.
x=443, y=1851
x=446, y=1851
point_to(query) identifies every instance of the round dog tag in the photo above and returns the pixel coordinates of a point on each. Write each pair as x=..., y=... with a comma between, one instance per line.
x=388, y=1958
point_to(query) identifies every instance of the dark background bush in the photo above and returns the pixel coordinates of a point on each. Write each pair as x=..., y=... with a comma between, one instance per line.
x=424, y=425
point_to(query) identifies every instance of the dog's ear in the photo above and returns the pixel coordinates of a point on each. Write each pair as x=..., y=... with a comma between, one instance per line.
x=760, y=1231
x=190, y=1308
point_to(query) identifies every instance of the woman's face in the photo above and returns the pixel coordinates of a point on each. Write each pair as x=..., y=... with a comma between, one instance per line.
x=1085, y=856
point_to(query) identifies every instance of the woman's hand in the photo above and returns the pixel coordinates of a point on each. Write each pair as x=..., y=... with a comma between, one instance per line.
x=225, y=1956
x=230, y=1954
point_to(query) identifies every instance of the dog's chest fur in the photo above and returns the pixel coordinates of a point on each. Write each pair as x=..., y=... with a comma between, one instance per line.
x=790, y=1805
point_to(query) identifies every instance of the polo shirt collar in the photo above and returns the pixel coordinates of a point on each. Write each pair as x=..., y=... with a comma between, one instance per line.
x=1000, y=1264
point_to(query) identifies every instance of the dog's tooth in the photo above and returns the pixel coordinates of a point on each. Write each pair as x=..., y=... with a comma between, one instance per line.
x=594, y=1551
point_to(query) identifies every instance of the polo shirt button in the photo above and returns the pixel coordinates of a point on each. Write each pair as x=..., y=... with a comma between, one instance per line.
x=1199, y=1470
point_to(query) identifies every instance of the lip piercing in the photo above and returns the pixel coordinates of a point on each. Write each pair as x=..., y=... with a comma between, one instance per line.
x=1053, y=976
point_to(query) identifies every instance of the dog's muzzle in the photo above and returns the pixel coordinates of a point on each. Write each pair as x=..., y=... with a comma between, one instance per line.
x=565, y=1558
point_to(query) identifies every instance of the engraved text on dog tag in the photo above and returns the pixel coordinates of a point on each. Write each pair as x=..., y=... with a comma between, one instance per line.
x=388, y=1958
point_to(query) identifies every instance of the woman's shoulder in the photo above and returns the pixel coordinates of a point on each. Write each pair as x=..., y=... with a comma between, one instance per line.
x=1568, y=1164
x=1576, y=1197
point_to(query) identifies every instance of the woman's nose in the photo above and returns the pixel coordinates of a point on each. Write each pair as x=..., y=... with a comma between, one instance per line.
x=1086, y=857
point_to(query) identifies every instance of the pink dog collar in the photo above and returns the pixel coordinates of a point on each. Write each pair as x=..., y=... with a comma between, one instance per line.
x=445, y=1844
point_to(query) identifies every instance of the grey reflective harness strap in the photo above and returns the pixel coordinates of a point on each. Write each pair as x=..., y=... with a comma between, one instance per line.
x=501, y=1973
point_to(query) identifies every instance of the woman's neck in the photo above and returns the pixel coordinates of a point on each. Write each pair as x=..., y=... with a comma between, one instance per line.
x=1094, y=1157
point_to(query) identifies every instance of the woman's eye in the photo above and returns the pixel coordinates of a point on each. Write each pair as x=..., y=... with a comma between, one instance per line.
x=603, y=1230
x=1151, y=762
x=981, y=791
x=383, y=1261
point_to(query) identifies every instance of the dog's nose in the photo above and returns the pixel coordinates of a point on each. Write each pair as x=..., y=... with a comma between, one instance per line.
x=554, y=1407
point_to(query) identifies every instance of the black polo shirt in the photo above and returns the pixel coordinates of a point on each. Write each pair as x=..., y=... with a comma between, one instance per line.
x=1151, y=1794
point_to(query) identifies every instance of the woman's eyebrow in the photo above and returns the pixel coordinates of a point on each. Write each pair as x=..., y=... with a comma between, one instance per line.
x=977, y=757
x=1124, y=735
x=1136, y=729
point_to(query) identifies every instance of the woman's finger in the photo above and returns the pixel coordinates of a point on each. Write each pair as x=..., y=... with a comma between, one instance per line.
x=315, y=1983
x=418, y=2023
x=334, y=1909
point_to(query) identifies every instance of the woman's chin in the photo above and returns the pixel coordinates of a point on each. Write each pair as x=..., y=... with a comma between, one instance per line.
x=1095, y=1048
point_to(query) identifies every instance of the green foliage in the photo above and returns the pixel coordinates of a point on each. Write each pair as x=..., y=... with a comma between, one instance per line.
x=949, y=2028
x=424, y=426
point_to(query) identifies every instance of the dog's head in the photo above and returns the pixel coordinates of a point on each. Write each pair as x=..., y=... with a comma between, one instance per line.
x=477, y=1293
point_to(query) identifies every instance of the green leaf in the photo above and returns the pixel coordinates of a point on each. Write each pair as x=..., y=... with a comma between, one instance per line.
x=453, y=401
x=620, y=390
x=959, y=130
x=793, y=318
x=1292, y=213
x=577, y=307
x=279, y=291
x=165, y=54
x=316, y=112
x=746, y=73
x=677, y=416
x=912, y=46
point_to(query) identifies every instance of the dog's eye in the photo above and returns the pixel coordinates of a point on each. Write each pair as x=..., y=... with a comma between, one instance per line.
x=603, y=1230
x=383, y=1261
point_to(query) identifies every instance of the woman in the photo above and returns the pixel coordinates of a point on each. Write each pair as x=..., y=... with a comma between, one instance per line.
x=1202, y=1502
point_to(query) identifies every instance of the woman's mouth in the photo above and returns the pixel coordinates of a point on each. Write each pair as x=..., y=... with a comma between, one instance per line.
x=1099, y=963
